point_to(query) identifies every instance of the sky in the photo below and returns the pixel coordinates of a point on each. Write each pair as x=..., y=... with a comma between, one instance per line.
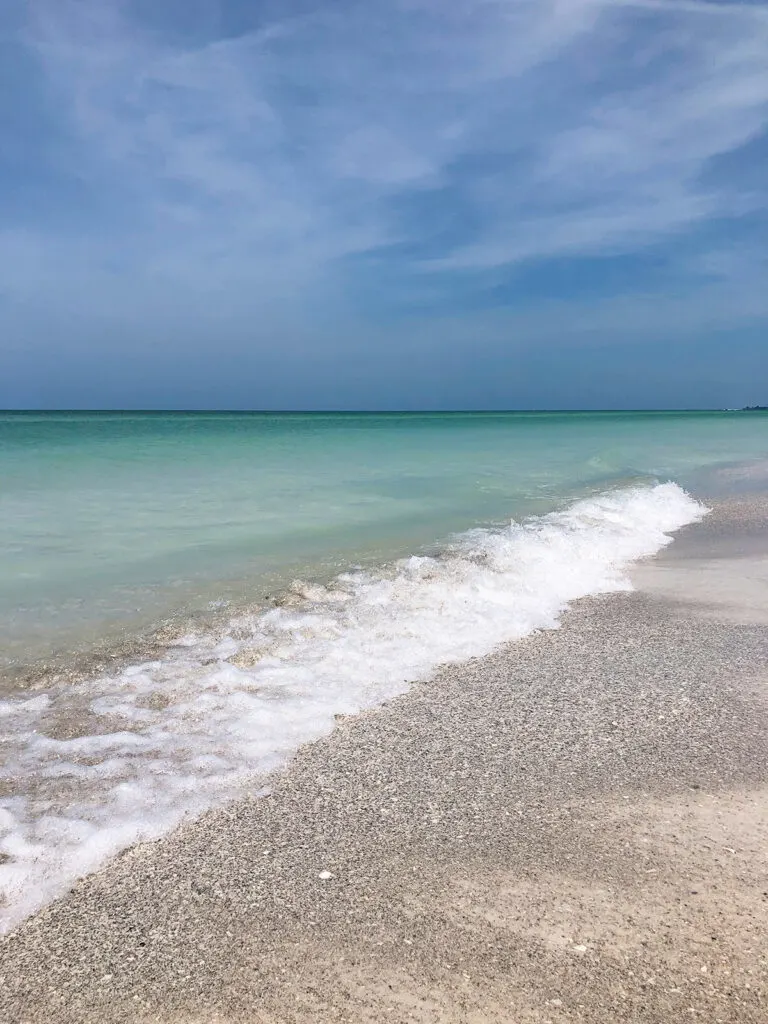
x=393, y=204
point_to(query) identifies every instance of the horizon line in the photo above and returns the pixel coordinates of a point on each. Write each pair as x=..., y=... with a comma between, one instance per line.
x=374, y=412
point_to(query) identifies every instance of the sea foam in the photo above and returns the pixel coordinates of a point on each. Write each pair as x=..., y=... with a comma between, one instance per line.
x=105, y=763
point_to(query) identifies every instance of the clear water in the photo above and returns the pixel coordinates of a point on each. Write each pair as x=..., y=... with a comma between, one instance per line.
x=400, y=537
x=112, y=521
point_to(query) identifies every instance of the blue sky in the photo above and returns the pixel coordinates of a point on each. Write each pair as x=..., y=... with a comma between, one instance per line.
x=383, y=203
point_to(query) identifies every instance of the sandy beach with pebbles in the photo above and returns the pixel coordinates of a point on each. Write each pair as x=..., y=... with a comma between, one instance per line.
x=572, y=829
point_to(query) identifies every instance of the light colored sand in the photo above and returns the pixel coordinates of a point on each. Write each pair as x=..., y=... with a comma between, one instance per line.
x=574, y=829
x=718, y=569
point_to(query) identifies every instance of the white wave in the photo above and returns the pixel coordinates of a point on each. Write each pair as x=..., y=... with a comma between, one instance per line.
x=171, y=737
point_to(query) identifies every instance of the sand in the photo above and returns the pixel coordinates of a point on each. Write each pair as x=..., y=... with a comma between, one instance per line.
x=573, y=829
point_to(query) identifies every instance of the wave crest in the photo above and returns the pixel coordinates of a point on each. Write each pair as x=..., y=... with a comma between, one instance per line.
x=100, y=765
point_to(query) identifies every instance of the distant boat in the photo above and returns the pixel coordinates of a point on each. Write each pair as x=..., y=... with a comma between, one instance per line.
x=755, y=408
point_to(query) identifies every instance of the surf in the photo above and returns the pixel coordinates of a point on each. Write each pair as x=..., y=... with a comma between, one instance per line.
x=101, y=764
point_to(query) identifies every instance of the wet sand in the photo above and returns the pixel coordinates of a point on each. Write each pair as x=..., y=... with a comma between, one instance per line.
x=573, y=829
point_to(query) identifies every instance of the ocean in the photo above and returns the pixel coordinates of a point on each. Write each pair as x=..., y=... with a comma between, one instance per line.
x=185, y=598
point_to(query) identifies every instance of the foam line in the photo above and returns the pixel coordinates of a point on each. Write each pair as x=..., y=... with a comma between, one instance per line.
x=169, y=738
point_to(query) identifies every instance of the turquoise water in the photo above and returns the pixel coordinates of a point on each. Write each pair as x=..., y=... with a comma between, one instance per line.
x=113, y=521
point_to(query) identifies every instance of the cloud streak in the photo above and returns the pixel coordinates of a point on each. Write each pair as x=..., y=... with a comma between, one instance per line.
x=295, y=137
x=289, y=167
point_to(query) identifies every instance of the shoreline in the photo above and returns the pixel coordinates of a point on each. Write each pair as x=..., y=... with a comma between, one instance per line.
x=550, y=833
x=114, y=646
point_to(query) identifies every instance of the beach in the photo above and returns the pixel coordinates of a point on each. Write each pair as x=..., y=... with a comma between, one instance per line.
x=187, y=599
x=384, y=512
x=570, y=829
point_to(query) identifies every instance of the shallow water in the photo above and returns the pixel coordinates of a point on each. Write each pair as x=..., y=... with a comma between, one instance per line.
x=113, y=521
x=401, y=530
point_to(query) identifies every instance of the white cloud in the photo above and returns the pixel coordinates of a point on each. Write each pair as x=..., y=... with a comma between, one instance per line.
x=716, y=7
x=264, y=164
x=626, y=167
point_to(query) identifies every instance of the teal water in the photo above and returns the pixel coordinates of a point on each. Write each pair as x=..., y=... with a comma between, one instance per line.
x=113, y=521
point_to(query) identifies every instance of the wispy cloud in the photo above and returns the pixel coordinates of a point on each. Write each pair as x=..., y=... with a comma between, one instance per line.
x=263, y=164
x=658, y=101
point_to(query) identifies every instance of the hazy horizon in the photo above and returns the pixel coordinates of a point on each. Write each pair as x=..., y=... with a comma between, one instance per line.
x=375, y=411
x=494, y=204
